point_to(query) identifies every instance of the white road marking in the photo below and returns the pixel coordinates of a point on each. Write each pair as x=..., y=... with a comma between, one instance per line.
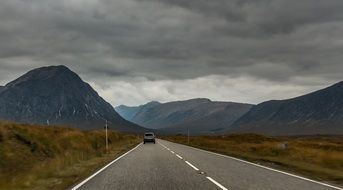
x=218, y=184
x=192, y=166
x=195, y=168
x=102, y=169
x=172, y=152
x=163, y=145
x=264, y=167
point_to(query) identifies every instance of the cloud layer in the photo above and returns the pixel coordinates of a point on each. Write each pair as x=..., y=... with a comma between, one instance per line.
x=133, y=51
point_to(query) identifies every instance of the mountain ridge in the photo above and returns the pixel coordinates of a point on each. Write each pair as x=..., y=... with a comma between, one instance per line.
x=319, y=112
x=128, y=112
x=201, y=114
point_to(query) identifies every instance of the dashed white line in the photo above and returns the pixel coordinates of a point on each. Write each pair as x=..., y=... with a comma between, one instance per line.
x=195, y=168
x=179, y=156
x=265, y=167
x=161, y=144
x=192, y=166
x=218, y=184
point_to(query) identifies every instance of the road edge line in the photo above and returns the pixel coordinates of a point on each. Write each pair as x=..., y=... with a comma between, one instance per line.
x=103, y=168
x=264, y=167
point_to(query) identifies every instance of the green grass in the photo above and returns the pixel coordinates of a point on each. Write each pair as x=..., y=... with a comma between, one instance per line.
x=41, y=157
x=317, y=157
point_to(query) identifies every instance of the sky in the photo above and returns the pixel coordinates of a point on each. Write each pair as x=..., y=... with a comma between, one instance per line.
x=135, y=51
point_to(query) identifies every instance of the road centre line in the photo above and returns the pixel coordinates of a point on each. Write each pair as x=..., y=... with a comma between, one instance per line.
x=216, y=183
x=192, y=166
x=179, y=156
x=264, y=167
x=195, y=168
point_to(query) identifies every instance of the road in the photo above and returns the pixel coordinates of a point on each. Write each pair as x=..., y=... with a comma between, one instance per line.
x=166, y=165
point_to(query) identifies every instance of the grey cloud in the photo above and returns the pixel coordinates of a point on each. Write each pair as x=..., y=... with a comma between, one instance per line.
x=265, y=17
x=175, y=40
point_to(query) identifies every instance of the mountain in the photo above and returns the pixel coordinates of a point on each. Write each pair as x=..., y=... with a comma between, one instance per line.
x=57, y=95
x=320, y=112
x=128, y=112
x=201, y=116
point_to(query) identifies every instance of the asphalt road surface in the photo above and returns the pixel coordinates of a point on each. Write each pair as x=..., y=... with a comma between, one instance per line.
x=167, y=165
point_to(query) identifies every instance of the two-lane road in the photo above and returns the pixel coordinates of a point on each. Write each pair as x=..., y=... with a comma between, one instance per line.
x=167, y=165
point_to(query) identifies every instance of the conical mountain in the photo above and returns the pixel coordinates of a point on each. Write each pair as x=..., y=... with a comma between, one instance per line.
x=57, y=95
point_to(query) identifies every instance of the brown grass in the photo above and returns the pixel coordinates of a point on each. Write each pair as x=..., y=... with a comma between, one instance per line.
x=40, y=157
x=317, y=157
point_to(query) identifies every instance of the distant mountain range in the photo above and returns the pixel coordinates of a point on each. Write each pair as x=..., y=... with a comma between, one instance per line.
x=200, y=116
x=320, y=112
x=56, y=95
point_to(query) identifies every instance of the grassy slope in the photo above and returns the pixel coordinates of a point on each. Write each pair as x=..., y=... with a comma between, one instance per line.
x=38, y=157
x=320, y=158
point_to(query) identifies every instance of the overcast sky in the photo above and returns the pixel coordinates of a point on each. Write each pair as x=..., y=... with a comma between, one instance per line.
x=135, y=51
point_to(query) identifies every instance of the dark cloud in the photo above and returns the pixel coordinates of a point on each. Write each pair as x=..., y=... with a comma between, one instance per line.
x=265, y=17
x=161, y=44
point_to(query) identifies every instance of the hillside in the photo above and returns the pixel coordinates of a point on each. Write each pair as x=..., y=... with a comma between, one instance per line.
x=57, y=95
x=320, y=112
x=129, y=113
x=199, y=115
x=40, y=157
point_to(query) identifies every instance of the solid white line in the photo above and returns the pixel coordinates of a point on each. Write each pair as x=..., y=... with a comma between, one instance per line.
x=179, y=156
x=264, y=167
x=172, y=152
x=102, y=169
x=192, y=166
x=218, y=184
